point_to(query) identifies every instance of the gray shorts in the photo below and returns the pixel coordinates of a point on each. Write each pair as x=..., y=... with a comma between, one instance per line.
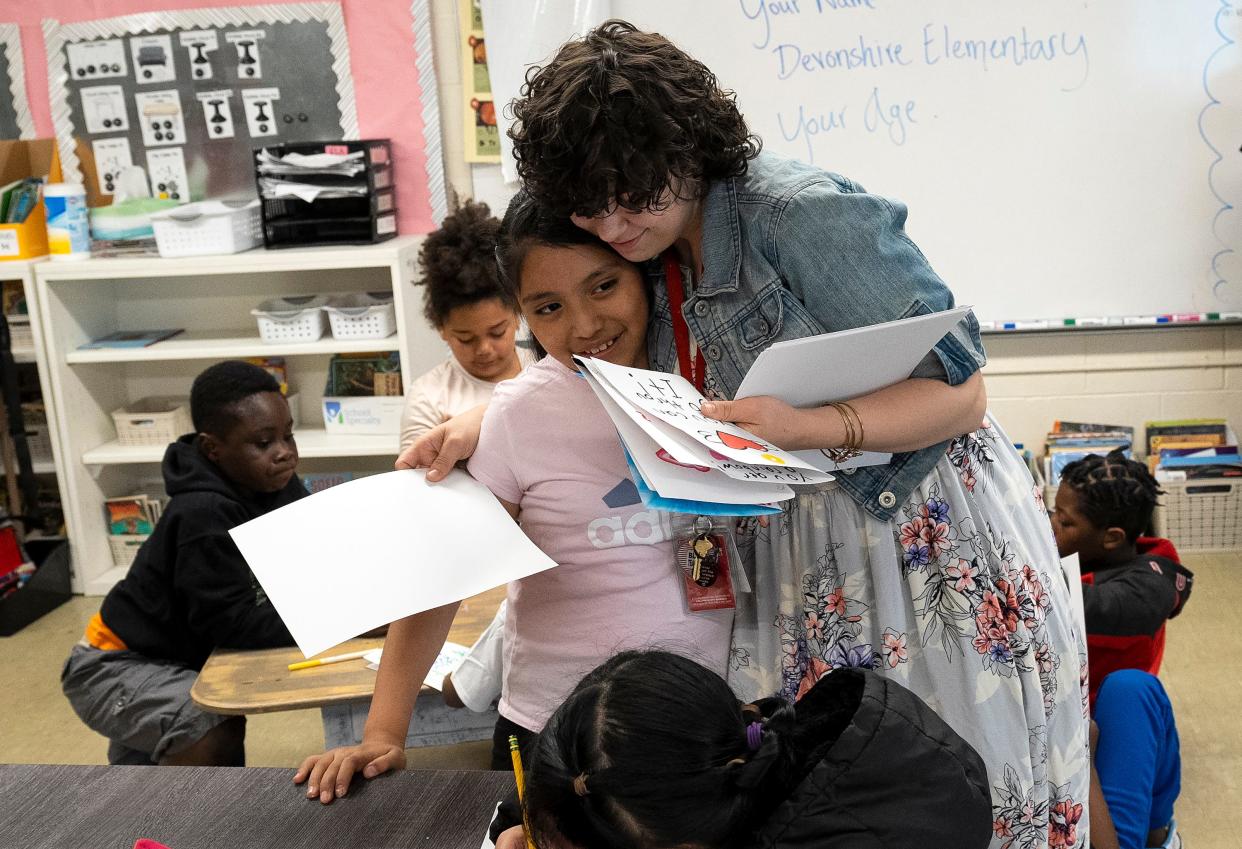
x=142, y=705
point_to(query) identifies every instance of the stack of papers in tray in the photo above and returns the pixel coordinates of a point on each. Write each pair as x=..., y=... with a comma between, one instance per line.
x=686, y=462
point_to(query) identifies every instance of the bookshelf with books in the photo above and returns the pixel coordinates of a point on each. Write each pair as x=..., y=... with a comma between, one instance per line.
x=209, y=301
x=18, y=299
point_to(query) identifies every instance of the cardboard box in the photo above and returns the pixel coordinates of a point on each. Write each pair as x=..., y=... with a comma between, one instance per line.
x=378, y=414
x=19, y=159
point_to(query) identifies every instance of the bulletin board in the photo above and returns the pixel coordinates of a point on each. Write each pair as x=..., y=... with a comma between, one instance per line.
x=15, y=120
x=187, y=95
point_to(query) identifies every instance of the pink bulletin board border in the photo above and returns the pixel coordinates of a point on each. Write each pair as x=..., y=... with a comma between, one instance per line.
x=386, y=75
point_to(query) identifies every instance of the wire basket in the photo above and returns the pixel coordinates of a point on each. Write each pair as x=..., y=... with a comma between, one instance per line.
x=362, y=315
x=152, y=421
x=208, y=227
x=295, y=319
x=1201, y=515
x=125, y=547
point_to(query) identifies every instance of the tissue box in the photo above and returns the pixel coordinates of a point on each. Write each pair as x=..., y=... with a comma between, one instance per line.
x=377, y=414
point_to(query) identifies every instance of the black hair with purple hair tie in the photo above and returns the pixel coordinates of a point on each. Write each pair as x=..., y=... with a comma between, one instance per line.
x=754, y=736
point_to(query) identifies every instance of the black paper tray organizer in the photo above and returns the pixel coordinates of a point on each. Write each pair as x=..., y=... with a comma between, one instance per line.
x=326, y=193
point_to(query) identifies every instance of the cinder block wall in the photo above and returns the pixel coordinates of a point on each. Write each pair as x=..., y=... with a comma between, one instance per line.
x=1113, y=377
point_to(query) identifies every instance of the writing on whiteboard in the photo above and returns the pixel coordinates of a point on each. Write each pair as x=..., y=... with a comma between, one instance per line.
x=924, y=47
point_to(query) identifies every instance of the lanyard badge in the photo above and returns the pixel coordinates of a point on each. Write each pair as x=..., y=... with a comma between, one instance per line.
x=702, y=557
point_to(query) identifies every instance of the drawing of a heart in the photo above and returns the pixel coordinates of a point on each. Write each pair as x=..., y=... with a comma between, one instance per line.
x=668, y=458
x=739, y=442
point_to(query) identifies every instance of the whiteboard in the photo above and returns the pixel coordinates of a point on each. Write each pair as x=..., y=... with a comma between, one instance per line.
x=1058, y=157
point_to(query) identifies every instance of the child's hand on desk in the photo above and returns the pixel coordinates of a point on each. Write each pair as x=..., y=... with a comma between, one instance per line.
x=328, y=775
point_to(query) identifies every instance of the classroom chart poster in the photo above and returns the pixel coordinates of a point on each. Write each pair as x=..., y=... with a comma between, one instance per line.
x=386, y=64
x=482, y=134
x=15, y=119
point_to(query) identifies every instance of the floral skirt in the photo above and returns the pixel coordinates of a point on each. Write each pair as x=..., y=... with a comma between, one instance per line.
x=961, y=598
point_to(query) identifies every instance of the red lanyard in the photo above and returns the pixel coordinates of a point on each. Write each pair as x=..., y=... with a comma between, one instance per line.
x=691, y=370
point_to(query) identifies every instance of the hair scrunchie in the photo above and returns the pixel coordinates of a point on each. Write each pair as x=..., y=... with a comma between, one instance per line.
x=754, y=736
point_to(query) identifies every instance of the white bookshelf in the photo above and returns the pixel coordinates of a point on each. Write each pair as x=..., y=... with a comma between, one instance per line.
x=34, y=353
x=211, y=298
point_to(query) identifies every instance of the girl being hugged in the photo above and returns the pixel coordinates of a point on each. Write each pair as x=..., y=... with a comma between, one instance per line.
x=937, y=569
x=550, y=454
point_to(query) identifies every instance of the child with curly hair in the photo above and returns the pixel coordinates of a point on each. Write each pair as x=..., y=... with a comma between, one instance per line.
x=478, y=318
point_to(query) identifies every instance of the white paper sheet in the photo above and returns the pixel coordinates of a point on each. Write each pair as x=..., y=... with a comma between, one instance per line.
x=838, y=366
x=450, y=657
x=364, y=553
x=1073, y=577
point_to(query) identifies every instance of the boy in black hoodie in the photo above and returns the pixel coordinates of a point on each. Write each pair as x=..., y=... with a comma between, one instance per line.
x=189, y=590
x=652, y=751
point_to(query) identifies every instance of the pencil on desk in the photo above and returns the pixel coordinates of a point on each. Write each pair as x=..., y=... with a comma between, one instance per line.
x=516, y=754
x=324, y=661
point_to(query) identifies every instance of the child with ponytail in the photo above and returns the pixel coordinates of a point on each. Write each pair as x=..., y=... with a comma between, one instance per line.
x=652, y=751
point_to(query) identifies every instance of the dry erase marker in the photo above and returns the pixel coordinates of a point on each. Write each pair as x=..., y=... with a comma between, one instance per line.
x=1099, y=321
x=324, y=661
x=1140, y=319
x=1037, y=324
x=1184, y=317
x=1229, y=316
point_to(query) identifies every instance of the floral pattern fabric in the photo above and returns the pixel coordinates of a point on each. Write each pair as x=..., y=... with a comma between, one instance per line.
x=961, y=598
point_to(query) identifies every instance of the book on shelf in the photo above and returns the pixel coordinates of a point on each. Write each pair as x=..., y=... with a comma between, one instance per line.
x=364, y=374
x=1066, y=427
x=1069, y=442
x=133, y=514
x=1190, y=463
x=129, y=339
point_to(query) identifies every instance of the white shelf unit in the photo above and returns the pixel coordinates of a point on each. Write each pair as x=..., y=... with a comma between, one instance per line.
x=210, y=298
x=34, y=352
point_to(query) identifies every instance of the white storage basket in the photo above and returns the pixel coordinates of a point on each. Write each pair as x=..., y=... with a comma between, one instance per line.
x=125, y=547
x=362, y=315
x=153, y=421
x=1201, y=515
x=208, y=227
x=295, y=319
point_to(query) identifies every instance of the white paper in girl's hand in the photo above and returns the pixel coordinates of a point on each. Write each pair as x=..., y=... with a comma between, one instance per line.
x=374, y=550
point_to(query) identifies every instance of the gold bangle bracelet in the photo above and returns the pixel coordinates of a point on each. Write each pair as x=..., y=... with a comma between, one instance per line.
x=849, y=442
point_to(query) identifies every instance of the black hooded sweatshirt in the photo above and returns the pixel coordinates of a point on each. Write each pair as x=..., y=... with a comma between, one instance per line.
x=878, y=769
x=874, y=768
x=189, y=590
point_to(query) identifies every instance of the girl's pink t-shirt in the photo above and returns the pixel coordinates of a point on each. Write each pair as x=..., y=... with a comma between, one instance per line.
x=548, y=446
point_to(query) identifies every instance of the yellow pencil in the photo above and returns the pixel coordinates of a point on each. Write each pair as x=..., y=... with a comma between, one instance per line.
x=324, y=661
x=516, y=755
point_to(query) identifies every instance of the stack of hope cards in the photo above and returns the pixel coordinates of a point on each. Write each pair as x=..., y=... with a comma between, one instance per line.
x=683, y=461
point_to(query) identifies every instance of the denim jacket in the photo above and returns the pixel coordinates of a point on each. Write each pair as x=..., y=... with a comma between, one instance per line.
x=791, y=251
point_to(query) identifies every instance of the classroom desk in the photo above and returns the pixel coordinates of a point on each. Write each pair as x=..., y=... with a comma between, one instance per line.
x=110, y=807
x=243, y=682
